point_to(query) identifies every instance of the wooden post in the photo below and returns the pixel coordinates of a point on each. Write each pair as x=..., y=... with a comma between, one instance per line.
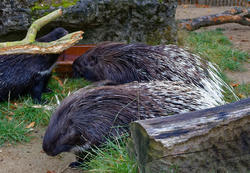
x=211, y=140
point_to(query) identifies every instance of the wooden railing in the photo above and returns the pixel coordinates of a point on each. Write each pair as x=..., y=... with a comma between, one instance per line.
x=240, y=3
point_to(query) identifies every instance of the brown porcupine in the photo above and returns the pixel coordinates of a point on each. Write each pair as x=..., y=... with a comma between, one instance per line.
x=28, y=73
x=88, y=116
x=124, y=63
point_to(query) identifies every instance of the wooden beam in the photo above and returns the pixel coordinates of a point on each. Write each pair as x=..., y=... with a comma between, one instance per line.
x=211, y=140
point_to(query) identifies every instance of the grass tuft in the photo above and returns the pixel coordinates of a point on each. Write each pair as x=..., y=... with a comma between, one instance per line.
x=218, y=48
x=12, y=131
x=213, y=45
x=17, y=114
x=112, y=157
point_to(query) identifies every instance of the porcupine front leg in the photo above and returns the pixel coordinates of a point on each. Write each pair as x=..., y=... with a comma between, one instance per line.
x=80, y=160
x=37, y=90
x=46, y=81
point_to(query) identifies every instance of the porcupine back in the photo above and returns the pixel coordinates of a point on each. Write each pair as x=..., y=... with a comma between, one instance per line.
x=124, y=63
x=87, y=116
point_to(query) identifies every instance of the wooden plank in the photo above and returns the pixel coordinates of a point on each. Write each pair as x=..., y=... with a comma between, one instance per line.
x=79, y=49
x=211, y=140
x=66, y=59
x=64, y=69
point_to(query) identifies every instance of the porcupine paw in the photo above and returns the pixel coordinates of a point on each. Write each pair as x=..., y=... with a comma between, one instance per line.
x=75, y=165
x=47, y=90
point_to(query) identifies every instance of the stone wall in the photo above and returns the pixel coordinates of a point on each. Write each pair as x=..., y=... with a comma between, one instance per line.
x=129, y=21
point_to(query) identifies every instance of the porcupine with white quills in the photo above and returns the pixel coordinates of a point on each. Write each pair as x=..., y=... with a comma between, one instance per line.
x=88, y=116
x=124, y=63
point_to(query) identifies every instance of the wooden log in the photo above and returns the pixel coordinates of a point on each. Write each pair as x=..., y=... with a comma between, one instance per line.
x=211, y=140
x=235, y=15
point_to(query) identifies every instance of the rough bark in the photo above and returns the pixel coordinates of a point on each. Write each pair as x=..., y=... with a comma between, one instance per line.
x=211, y=140
x=29, y=45
x=235, y=15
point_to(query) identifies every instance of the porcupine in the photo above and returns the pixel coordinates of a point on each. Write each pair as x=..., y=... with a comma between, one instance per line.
x=88, y=116
x=28, y=73
x=124, y=63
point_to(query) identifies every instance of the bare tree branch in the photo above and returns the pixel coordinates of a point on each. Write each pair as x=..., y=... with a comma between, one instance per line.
x=29, y=46
x=235, y=15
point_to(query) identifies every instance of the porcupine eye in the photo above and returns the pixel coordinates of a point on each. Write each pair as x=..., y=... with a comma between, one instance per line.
x=93, y=60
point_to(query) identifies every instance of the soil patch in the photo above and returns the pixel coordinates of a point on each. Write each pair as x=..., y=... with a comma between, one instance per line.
x=29, y=158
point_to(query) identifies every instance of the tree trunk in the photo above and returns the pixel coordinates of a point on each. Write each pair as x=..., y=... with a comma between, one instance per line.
x=29, y=46
x=211, y=140
x=235, y=15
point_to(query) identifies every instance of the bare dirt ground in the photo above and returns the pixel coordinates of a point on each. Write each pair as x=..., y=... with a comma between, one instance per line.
x=29, y=158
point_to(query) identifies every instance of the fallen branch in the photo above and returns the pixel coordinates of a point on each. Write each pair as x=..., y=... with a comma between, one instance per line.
x=29, y=46
x=235, y=15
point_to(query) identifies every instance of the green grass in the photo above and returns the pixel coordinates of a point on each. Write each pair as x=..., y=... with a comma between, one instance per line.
x=218, y=48
x=112, y=157
x=213, y=45
x=23, y=111
x=13, y=131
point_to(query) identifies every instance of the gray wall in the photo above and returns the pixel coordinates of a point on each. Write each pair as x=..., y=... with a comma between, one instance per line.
x=129, y=21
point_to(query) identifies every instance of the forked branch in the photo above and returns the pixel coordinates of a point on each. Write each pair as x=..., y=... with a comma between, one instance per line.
x=29, y=46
